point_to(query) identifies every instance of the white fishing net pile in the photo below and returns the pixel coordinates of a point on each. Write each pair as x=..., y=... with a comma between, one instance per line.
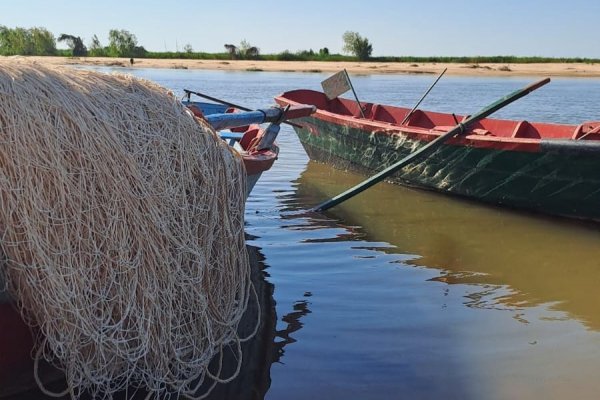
x=121, y=222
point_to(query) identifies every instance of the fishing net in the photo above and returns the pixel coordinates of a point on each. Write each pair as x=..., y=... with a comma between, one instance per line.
x=122, y=230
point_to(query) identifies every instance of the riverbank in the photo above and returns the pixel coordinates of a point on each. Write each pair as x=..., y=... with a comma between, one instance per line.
x=543, y=69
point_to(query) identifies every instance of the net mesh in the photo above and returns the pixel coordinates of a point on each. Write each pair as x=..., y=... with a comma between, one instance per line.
x=122, y=230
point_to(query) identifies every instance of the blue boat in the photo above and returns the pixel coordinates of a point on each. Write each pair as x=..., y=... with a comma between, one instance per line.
x=255, y=145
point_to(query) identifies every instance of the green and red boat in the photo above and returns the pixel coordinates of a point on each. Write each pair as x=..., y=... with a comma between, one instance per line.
x=542, y=167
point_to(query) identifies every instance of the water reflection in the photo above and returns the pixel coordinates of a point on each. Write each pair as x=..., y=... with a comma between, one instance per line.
x=259, y=353
x=519, y=260
x=294, y=324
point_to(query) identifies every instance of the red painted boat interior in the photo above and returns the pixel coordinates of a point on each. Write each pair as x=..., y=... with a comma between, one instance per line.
x=256, y=161
x=435, y=121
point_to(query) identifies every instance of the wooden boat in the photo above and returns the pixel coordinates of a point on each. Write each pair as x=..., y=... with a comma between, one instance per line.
x=256, y=145
x=542, y=167
x=258, y=151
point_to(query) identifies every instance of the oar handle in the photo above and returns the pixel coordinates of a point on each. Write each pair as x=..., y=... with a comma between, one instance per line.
x=277, y=115
x=431, y=146
x=536, y=85
x=228, y=104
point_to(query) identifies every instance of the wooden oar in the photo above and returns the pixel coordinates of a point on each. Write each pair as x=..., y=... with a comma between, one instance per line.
x=225, y=103
x=431, y=146
x=243, y=118
x=228, y=104
x=411, y=112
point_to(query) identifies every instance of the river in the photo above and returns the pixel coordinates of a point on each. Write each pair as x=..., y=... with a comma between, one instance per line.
x=401, y=293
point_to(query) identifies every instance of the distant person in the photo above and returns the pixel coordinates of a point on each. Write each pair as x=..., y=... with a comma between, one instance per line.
x=131, y=61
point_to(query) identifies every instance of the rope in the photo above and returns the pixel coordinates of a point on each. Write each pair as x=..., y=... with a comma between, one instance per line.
x=122, y=225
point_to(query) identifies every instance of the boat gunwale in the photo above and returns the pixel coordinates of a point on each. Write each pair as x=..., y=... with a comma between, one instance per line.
x=472, y=138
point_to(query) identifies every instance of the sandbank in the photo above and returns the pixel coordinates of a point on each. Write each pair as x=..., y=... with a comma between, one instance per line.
x=541, y=69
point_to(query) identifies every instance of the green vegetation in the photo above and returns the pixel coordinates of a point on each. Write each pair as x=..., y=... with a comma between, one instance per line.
x=244, y=52
x=122, y=43
x=172, y=55
x=26, y=42
x=485, y=59
x=306, y=55
x=39, y=41
x=96, y=49
x=75, y=44
x=357, y=45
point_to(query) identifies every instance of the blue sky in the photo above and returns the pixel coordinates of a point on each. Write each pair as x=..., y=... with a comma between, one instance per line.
x=394, y=27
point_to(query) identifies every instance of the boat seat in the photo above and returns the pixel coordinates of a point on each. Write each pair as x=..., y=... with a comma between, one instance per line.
x=481, y=132
x=380, y=114
x=525, y=130
x=374, y=110
x=442, y=128
x=475, y=131
x=251, y=138
x=587, y=130
x=365, y=111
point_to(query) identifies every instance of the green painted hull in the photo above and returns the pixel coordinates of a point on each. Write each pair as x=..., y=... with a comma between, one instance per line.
x=549, y=180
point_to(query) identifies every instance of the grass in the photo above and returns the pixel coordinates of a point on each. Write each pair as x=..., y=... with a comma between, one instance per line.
x=308, y=56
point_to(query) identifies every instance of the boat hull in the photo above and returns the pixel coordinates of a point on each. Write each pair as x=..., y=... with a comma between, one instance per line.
x=541, y=176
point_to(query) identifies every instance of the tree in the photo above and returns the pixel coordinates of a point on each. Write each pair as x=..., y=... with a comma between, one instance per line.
x=21, y=41
x=121, y=43
x=357, y=45
x=5, y=41
x=188, y=48
x=247, y=51
x=75, y=43
x=244, y=51
x=96, y=49
x=232, y=51
x=15, y=41
x=43, y=41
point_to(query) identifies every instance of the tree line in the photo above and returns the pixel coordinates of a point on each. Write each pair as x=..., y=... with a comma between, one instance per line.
x=122, y=43
x=40, y=42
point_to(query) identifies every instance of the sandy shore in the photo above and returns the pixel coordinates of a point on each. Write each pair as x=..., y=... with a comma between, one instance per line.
x=558, y=69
